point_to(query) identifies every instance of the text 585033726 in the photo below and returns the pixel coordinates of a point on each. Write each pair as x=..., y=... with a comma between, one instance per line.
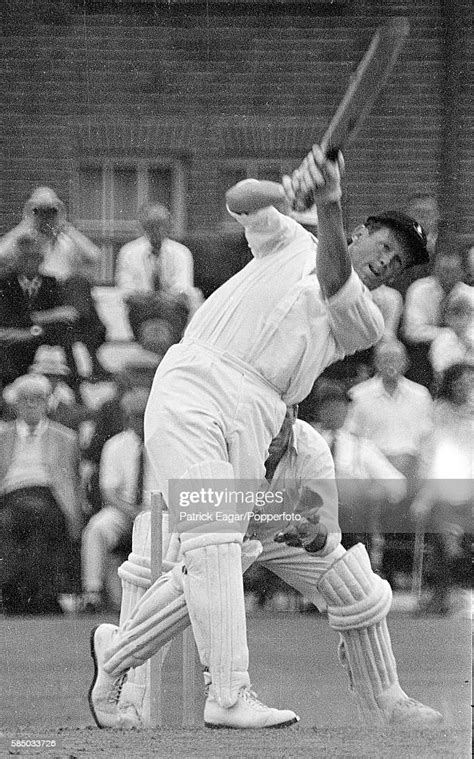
x=20, y=742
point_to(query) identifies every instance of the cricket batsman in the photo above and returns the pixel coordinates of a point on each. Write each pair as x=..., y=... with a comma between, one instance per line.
x=220, y=396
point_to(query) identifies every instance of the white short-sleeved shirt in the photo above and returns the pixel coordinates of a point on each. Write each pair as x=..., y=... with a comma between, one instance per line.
x=422, y=316
x=119, y=467
x=447, y=349
x=136, y=267
x=272, y=314
x=396, y=423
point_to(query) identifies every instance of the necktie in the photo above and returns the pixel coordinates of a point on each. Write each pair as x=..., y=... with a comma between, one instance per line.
x=155, y=257
x=333, y=447
x=140, y=476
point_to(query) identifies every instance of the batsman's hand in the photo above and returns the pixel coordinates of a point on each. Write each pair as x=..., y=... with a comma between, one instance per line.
x=308, y=533
x=316, y=181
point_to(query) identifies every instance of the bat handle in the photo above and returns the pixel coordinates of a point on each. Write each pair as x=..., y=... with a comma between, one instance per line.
x=331, y=153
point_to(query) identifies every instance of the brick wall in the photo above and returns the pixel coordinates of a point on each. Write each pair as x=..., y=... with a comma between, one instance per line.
x=217, y=80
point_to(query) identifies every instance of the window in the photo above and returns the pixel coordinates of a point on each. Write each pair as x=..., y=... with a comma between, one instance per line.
x=235, y=170
x=107, y=196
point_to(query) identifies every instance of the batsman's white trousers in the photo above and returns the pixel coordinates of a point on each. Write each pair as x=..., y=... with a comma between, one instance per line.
x=300, y=569
x=207, y=406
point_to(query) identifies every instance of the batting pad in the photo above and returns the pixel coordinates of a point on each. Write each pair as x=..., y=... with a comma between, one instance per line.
x=136, y=640
x=356, y=597
x=175, y=618
x=214, y=593
x=135, y=575
x=358, y=602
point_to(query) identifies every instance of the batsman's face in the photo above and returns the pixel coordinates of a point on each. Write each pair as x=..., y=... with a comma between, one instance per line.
x=377, y=257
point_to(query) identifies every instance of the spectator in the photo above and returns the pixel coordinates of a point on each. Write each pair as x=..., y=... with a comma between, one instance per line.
x=69, y=256
x=155, y=274
x=124, y=481
x=109, y=421
x=62, y=405
x=390, y=303
x=366, y=479
x=455, y=344
x=32, y=311
x=392, y=411
x=41, y=506
x=425, y=310
x=443, y=505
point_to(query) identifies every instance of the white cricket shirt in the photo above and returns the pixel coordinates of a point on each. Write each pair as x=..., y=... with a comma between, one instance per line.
x=272, y=313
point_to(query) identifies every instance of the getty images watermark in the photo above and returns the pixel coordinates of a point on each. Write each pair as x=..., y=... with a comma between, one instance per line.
x=368, y=506
x=223, y=503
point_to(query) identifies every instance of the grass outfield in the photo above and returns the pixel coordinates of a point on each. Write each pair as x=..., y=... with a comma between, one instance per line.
x=46, y=670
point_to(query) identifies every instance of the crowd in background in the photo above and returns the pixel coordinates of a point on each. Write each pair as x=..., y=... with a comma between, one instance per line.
x=73, y=474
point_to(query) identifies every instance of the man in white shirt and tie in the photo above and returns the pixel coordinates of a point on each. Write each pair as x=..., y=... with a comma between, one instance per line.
x=155, y=274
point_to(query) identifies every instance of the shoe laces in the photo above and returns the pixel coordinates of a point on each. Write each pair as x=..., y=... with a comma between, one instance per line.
x=251, y=698
x=116, y=689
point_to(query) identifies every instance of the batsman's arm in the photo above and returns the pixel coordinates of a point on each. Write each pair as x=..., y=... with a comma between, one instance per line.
x=318, y=180
x=252, y=195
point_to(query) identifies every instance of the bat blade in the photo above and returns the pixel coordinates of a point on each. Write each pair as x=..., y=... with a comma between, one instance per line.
x=365, y=84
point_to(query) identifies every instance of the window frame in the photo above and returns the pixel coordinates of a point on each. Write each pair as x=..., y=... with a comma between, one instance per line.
x=106, y=231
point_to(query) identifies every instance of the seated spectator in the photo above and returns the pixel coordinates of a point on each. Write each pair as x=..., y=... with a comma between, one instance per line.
x=455, y=344
x=156, y=336
x=365, y=478
x=390, y=303
x=62, y=405
x=124, y=481
x=108, y=421
x=425, y=310
x=41, y=505
x=155, y=275
x=443, y=505
x=392, y=411
x=70, y=257
x=32, y=311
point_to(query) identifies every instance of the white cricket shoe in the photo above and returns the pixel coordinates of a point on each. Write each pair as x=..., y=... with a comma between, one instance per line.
x=104, y=693
x=247, y=712
x=410, y=713
x=130, y=716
